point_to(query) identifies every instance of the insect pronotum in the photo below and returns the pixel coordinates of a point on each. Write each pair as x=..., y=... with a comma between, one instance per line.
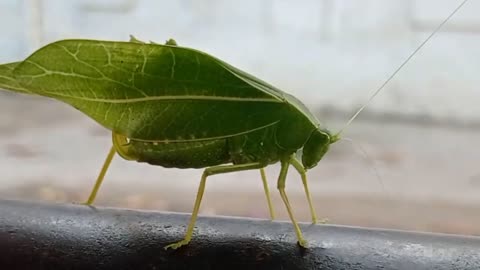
x=178, y=107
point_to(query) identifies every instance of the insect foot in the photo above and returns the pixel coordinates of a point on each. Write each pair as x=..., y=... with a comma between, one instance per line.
x=323, y=221
x=177, y=244
x=86, y=203
x=302, y=243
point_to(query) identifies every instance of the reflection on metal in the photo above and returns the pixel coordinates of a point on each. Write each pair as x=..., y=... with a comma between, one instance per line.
x=51, y=236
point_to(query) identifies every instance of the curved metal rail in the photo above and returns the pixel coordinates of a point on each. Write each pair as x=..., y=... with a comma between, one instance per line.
x=37, y=235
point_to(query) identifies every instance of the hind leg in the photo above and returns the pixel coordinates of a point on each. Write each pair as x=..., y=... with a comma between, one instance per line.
x=120, y=146
x=101, y=176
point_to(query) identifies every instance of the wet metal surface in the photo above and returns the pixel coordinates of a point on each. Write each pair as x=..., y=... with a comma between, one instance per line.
x=36, y=235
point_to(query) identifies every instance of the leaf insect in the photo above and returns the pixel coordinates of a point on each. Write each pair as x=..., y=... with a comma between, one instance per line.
x=178, y=107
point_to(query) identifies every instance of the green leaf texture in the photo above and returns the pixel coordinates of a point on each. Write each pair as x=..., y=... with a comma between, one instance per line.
x=152, y=91
x=8, y=81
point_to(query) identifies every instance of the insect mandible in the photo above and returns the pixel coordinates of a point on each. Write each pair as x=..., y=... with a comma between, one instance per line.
x=178, y=107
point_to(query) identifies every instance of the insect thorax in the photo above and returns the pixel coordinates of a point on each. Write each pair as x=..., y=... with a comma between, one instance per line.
x=258, y=146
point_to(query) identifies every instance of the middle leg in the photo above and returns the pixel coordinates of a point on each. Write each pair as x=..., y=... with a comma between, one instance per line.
x=201, y=189
x=267, y=193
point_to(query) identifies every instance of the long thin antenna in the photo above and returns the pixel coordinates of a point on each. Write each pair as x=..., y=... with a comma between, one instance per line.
x=399, y=68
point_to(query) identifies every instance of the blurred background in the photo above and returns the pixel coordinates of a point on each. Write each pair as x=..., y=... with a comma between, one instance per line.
x=421, y=134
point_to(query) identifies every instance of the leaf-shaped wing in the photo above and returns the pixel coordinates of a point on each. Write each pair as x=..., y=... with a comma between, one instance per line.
x=151, y=91
x=8, y=81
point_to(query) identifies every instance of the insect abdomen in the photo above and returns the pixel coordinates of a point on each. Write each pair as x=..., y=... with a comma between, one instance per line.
x=197, y=154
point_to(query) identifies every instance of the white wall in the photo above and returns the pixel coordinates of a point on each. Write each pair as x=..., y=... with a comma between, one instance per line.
x=326, y=52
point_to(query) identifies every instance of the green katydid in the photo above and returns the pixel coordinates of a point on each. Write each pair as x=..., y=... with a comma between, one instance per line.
x=178, y=107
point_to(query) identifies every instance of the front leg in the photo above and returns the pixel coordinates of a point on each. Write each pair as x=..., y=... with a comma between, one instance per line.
x=301, y=170
x=281, y=188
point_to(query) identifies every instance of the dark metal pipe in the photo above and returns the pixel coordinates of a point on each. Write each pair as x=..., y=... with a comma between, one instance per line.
x=37, y=235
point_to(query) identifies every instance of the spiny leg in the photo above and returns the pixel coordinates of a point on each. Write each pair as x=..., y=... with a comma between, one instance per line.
x=96, y=187
x=267, y=193
x=281, y=188
x=299, y=167
x=201, y=189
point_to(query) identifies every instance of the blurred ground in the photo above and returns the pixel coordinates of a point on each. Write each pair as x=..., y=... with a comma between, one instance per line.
x=429, y=178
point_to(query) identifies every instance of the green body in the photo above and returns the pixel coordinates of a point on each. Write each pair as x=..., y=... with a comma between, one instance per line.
x=178, y=107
